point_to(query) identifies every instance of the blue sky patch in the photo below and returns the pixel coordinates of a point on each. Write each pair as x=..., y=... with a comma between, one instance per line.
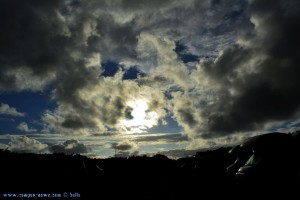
x=33, y=104
x=184, y=55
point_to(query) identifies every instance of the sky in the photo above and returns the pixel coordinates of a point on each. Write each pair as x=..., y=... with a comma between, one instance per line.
x=136, y=77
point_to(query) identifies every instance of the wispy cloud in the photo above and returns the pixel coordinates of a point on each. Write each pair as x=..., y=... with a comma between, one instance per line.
x=5, y=109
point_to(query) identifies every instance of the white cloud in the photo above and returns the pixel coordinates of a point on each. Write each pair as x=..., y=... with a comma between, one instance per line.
x=24, y=127
x=24, y=144
x=3, y=146
x=5, y=109
x=101, y=105
x=167, y=65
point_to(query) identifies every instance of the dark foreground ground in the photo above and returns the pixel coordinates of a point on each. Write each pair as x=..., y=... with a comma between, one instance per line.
x=201, y=177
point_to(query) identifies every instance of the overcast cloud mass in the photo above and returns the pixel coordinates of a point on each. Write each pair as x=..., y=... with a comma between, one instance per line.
x=217, y=68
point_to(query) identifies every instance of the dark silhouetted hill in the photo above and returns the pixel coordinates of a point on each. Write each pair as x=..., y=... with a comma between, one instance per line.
x=137, y=177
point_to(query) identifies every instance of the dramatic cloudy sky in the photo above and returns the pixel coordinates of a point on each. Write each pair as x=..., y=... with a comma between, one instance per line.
x=146, y=76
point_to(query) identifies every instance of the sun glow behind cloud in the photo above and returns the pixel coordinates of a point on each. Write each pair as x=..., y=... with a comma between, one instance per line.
x=140, y=117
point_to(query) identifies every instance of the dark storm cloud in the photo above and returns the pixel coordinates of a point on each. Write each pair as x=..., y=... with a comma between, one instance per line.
x=124, y=36
x=69, y=147
x=195, y=23
x=258, y=75
x=63, y=43
x=128, y=112
x=123, y=146
x=47, y=42
x=32, y=43
x=247, y=74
